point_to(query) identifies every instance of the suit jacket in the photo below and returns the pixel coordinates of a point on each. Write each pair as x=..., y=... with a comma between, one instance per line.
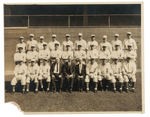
x=53, y=67
x=83, y=70
x=68, y=69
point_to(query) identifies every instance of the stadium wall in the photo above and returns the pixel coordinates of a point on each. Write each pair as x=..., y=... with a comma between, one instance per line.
x=12, y=35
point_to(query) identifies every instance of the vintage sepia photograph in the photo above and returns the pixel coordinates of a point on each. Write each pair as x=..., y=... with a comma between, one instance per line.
x=74, y=58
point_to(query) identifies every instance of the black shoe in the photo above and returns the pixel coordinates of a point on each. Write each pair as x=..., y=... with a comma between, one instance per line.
x=120, y=90
x=60, y=91
x=70, y=91
x=114, y=90
x=95, y=91
x=127, y=90
x=54, y=91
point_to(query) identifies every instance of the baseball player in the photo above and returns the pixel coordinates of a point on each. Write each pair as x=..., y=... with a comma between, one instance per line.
x=68, y=53
x=80, y=53
x=67, y=42
x=31, y=42
x=80, y=41
x=129, y=41
x=41, y=43
x=56, y=75
x=92, y=42
x=44, y=53
x=20, y=73
x=92, y=74
x=19, y=55
x=107, y=74
x=21, y=44
x=116, y=41
x=44, y=70
x=51, y=44
x=92, y=53
x=68, y=74
x=117, y=71
x=104, y=52
x=129, y=72
x=106, y=43
x=33, y=54
x=80, y=74
x=33, y=75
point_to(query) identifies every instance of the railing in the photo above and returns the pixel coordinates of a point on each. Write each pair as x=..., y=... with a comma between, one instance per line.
x=102, y=20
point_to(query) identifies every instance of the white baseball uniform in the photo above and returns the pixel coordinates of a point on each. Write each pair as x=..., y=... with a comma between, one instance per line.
x=23, y=45
x=40, y=45
x=32, y=55
x=129, y=42
x=116, y=42
x=94, y=42
x=20, y=57
x=67, y=54
x=107, y=44
x=67, y=43
x=92, y=54
x=44, y=54
x=30, y=43
x=80, y=54
x=80, y=42
x=51, y=45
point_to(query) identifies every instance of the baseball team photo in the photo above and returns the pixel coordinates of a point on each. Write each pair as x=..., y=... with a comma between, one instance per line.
x=74, y=57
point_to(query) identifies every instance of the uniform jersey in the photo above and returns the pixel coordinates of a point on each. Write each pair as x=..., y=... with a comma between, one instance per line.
x=116, y=42
x=40, y=45
x=30, y=43
x=129, y=67
x=105, y=54
x=106, y=69
x=81, y=42
x=116, y=68
x=132, y=54
x=32, y=55
x=67, y=43
x=23, y=45
x=20, y=70
x=80, y=54
x=95, y=43
x=51, y=45
x=44, y=54
x=119, y=54
x=108, y=46
x=44, y=69
x=92, y=68
x=67, y=54
x=129, y=42
x=33, y=70
x=20, y=57
x=56, y=54
x=92, y=54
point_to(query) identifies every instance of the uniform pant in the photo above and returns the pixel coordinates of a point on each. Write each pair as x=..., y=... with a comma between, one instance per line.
x=32, y=78
x=17, y=78
x=45, y=76
x=130, y=76
x=57, y=81
x=109, y=78
x=119, y=77
x=91, y=76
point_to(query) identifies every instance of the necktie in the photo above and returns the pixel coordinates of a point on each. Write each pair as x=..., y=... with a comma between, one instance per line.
x=57, y=68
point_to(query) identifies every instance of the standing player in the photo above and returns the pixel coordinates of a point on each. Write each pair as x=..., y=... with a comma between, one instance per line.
x=31, y=42
x=80, y=41
x=21, y=44
x=104, y=52
x=52, y=43
x=41, y=43
x=33, y=75
x=106, y=43
x=107, y=74
x=19, y=55
x=68, y=53
x=20, y=74
x=33, y=54
x=92, y=53
x=92, y=71
x=67, y=42
x=44, y=73
x=116, y=41
x=129, y=41
x=92, y=42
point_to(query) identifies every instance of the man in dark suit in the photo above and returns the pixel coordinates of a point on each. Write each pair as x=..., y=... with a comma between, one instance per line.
x=80, y=74
x=68, y=74
x=56, y=75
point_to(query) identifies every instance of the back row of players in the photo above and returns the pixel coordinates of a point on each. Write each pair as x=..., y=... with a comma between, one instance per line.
x=36, y=61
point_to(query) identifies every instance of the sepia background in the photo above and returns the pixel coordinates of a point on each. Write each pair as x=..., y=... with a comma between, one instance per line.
x=21, y=20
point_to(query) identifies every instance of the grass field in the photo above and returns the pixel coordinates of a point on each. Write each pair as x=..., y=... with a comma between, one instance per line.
x=75, y=102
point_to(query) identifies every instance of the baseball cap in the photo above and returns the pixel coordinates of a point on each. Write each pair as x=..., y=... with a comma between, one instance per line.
x=79, y=45
x=56, y=44
x=44, y=44
x=31, y=35
x=67, y=35
x=20, y=47
x=129, y=45
x=92, y=45
x=116, y=35
x=33, y=60
x=67, y=45
x=104, y=36
x=32, y=46
x=92, y=35
x=53, y=35
x=41, y=37
x=80, y=34
x=21, y=37
x=129, y=33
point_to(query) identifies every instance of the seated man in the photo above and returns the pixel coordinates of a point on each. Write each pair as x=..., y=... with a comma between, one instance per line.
x=44, y=74
x=20, y=74
x=129, y=72
x=56, y=75
x=68, y=73
x=32, y=75
x=80, y=74
x=92, y=74
x=117, y=72
x=107, y=74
